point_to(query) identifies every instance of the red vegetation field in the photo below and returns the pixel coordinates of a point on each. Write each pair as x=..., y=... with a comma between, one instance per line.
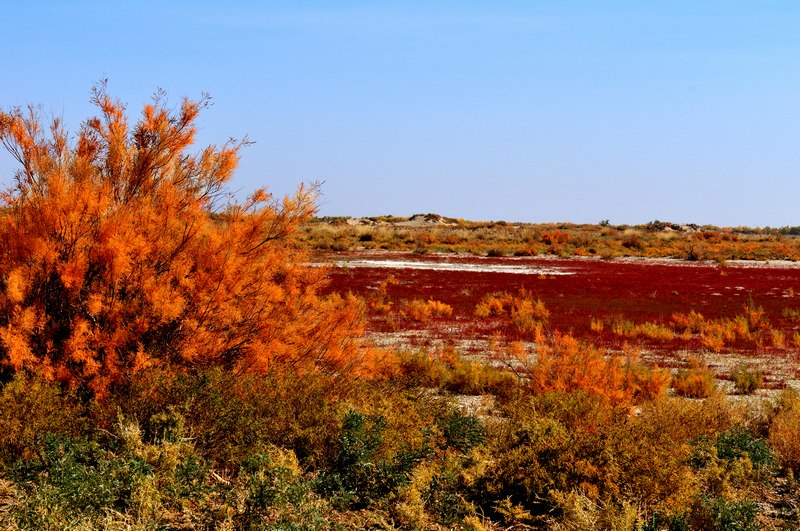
x=602, y=301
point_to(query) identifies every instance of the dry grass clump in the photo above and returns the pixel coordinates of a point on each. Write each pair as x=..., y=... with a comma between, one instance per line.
x=746, y=380
x=784, y=431
x=447, y=370
x=649, y=330
x=526, y=315
x=424, y=311
x=696, y=380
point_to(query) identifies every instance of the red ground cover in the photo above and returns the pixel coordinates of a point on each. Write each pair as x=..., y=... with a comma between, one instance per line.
x=639, y=290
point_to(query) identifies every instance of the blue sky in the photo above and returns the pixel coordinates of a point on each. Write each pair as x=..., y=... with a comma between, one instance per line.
x=686, y=111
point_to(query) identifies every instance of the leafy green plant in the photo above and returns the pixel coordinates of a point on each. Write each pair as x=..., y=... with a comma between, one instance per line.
x=719, y=514
x=738, y=442
x=78, y=476
x=463, y=432
x=276, y=491
x=360, y=474
x=665, y=522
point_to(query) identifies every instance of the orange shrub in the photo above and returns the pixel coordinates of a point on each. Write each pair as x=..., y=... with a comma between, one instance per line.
x=566, y=365
x=693, y=322
x=422, y=311
x=554, y=237
x=784, y=430
x=696, y=381
x=440, y=309
x=119, y=253
x=490, y=306
x=417, y=310
x=756, y=316
x=527, y=315
x=713, y=337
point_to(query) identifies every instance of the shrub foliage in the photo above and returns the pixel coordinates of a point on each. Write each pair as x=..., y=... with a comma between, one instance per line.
x=119, y=252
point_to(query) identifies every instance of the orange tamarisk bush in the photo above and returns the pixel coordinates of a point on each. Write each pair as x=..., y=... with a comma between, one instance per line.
x=565, y=365
x=116, y=254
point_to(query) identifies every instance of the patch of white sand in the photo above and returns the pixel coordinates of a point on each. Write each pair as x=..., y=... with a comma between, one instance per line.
x=516, y=269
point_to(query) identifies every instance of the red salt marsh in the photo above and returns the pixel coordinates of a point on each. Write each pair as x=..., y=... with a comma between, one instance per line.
x=575, y=291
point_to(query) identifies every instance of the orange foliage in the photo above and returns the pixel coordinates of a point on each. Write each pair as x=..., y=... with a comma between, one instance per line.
x=423, y=311
x=696, y=381
x=556, y=236
x=119, y=252
x=528, y=316
x=566, y=365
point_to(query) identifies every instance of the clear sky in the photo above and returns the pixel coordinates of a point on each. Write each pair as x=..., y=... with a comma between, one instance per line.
x=686, y=111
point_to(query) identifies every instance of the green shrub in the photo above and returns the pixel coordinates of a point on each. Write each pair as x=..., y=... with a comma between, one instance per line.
x=276, y=493
x=664, y=522
x=719, y=514
x=732, y=461
x=463, y=432
x=78, y=477
x=361, y=475
x=445, y=497
x=738, y=442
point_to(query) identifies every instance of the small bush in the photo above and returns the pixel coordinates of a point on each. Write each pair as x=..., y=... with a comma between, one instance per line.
x=77, y=476
x=232, y=417
x=566, y=365
x=276, y=492
x=361, y=475
x=746, y=380
x=696, y=381
x=463, y=432
x=440, y=309
x=665, y=522
x=633, y=241
x=738, y=442
x=506, y=304
x=423, y=311
x=719, y=514
x=784, y=430
x=452, y=373
x=555, y=237
x=31, y=407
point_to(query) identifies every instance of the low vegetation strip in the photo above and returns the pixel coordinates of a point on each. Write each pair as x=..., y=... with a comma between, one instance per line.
x=657, y=239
